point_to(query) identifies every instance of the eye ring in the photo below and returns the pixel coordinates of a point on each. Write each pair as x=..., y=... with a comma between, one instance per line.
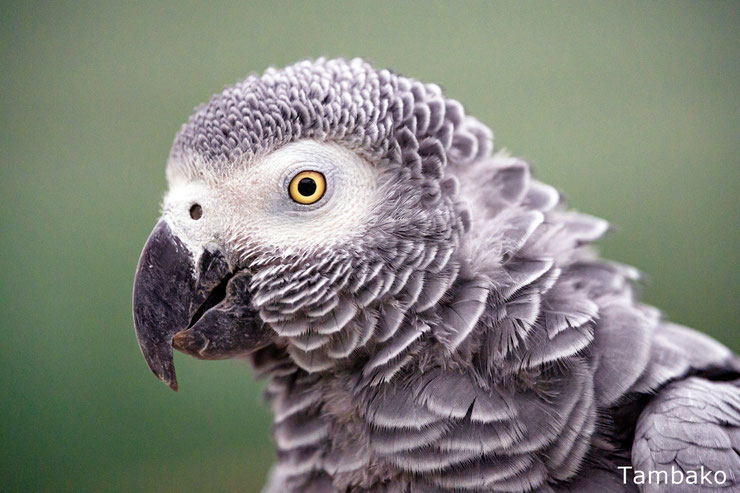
x=307, y=187
x=196, y=212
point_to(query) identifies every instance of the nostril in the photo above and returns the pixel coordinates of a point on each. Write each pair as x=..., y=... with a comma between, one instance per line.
x=196, y=211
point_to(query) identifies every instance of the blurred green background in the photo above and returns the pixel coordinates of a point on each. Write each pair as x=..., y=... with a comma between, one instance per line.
x=631, y=109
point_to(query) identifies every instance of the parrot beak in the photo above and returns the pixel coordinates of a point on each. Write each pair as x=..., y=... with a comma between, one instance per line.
x=202, y=310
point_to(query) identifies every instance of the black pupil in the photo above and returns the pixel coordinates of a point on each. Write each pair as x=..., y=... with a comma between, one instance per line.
x=306, y=187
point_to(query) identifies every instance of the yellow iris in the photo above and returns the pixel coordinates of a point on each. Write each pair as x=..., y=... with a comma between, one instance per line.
x=307, y=187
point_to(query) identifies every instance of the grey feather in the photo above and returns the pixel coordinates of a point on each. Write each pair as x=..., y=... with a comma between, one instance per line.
x=691, y=424
x=467, y=338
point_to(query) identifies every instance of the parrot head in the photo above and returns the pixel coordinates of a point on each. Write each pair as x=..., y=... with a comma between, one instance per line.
x=311, y=208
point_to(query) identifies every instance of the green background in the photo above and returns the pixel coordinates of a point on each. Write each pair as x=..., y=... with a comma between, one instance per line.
x=631, y=109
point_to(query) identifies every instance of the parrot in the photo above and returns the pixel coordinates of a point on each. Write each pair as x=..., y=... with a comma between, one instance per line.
x=428, y=316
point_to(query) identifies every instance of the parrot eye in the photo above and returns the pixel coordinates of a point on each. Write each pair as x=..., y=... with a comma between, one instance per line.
x=196, y=211
x=307, y=187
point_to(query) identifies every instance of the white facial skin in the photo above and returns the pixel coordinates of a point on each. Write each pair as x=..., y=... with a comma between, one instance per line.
x=251, y=206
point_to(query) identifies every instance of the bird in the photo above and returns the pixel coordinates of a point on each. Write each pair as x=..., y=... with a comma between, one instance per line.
x=428, y=315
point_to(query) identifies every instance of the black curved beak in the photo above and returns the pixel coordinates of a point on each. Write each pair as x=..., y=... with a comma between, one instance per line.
x=202, y=309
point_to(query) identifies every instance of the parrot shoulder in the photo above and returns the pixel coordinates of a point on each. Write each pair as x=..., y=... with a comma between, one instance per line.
x=692, y=425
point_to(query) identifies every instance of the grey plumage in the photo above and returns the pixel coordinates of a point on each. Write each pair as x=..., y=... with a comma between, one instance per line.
x=467, y=338
x=690, y=424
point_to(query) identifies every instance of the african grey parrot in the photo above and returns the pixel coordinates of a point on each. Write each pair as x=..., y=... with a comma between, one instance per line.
x=429, y=316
